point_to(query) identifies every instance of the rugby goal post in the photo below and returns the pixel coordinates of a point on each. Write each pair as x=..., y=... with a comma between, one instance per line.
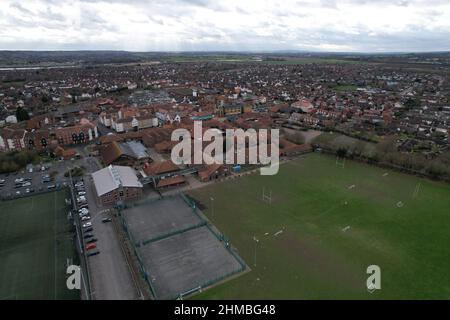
x=266, y=196
x=340, y=162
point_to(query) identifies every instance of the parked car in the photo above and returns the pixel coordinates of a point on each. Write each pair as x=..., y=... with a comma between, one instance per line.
x=91, y=240
x=18, y=180
x=87, y=224
x=81, y=193
x=91, y=246
x=51, y=186
x=93, y=253
x=105, y=220
x=84, y=218
x=83, y=210
x=90, y=229
x=88, y=235
x=85, y=205
x=26, y=184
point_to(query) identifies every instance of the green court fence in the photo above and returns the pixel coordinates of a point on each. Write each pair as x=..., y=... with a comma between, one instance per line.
x=172, y=233
x=142, y=269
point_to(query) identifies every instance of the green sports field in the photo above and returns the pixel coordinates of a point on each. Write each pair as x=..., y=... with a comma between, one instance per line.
x=35, y=242
x=326, y=224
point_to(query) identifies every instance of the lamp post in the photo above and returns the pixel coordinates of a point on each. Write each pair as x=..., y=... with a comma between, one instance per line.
x=212, y=206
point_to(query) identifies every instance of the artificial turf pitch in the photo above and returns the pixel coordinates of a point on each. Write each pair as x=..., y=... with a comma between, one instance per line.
x=326, y=224
x=35, y=242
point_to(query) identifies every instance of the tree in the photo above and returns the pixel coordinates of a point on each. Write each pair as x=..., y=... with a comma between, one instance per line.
x=412, y=103
x=341, y=152
x=45, y=98
x=22, y=114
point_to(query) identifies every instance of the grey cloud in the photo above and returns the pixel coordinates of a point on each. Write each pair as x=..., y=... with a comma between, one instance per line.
x=176, y=19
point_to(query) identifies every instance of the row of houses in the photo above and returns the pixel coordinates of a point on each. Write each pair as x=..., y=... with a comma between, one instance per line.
x=17, y=137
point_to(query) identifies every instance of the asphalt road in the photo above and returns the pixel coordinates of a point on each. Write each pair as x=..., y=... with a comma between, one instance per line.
x=109, y=273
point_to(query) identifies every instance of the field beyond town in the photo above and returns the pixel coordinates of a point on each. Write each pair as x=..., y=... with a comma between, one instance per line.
x=326, y=223
x=35, y=242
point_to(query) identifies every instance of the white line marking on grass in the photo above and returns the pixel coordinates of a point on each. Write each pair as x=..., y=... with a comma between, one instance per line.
x=278, y=233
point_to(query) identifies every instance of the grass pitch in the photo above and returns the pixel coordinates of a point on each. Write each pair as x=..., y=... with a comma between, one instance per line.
x=326, y=224
x=35, y=241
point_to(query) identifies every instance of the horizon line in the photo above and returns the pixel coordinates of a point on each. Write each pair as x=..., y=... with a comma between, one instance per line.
x=230, y=51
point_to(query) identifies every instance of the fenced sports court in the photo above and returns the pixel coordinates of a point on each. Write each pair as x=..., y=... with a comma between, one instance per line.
x=178, y=251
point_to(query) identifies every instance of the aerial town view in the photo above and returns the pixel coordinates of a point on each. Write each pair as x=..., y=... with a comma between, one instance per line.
x=151, y=151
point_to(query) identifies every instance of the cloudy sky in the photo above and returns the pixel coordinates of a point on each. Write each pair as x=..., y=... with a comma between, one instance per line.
x=185, y=25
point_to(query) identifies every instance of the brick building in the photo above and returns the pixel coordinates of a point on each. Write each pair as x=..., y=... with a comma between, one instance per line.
x=116, y=183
